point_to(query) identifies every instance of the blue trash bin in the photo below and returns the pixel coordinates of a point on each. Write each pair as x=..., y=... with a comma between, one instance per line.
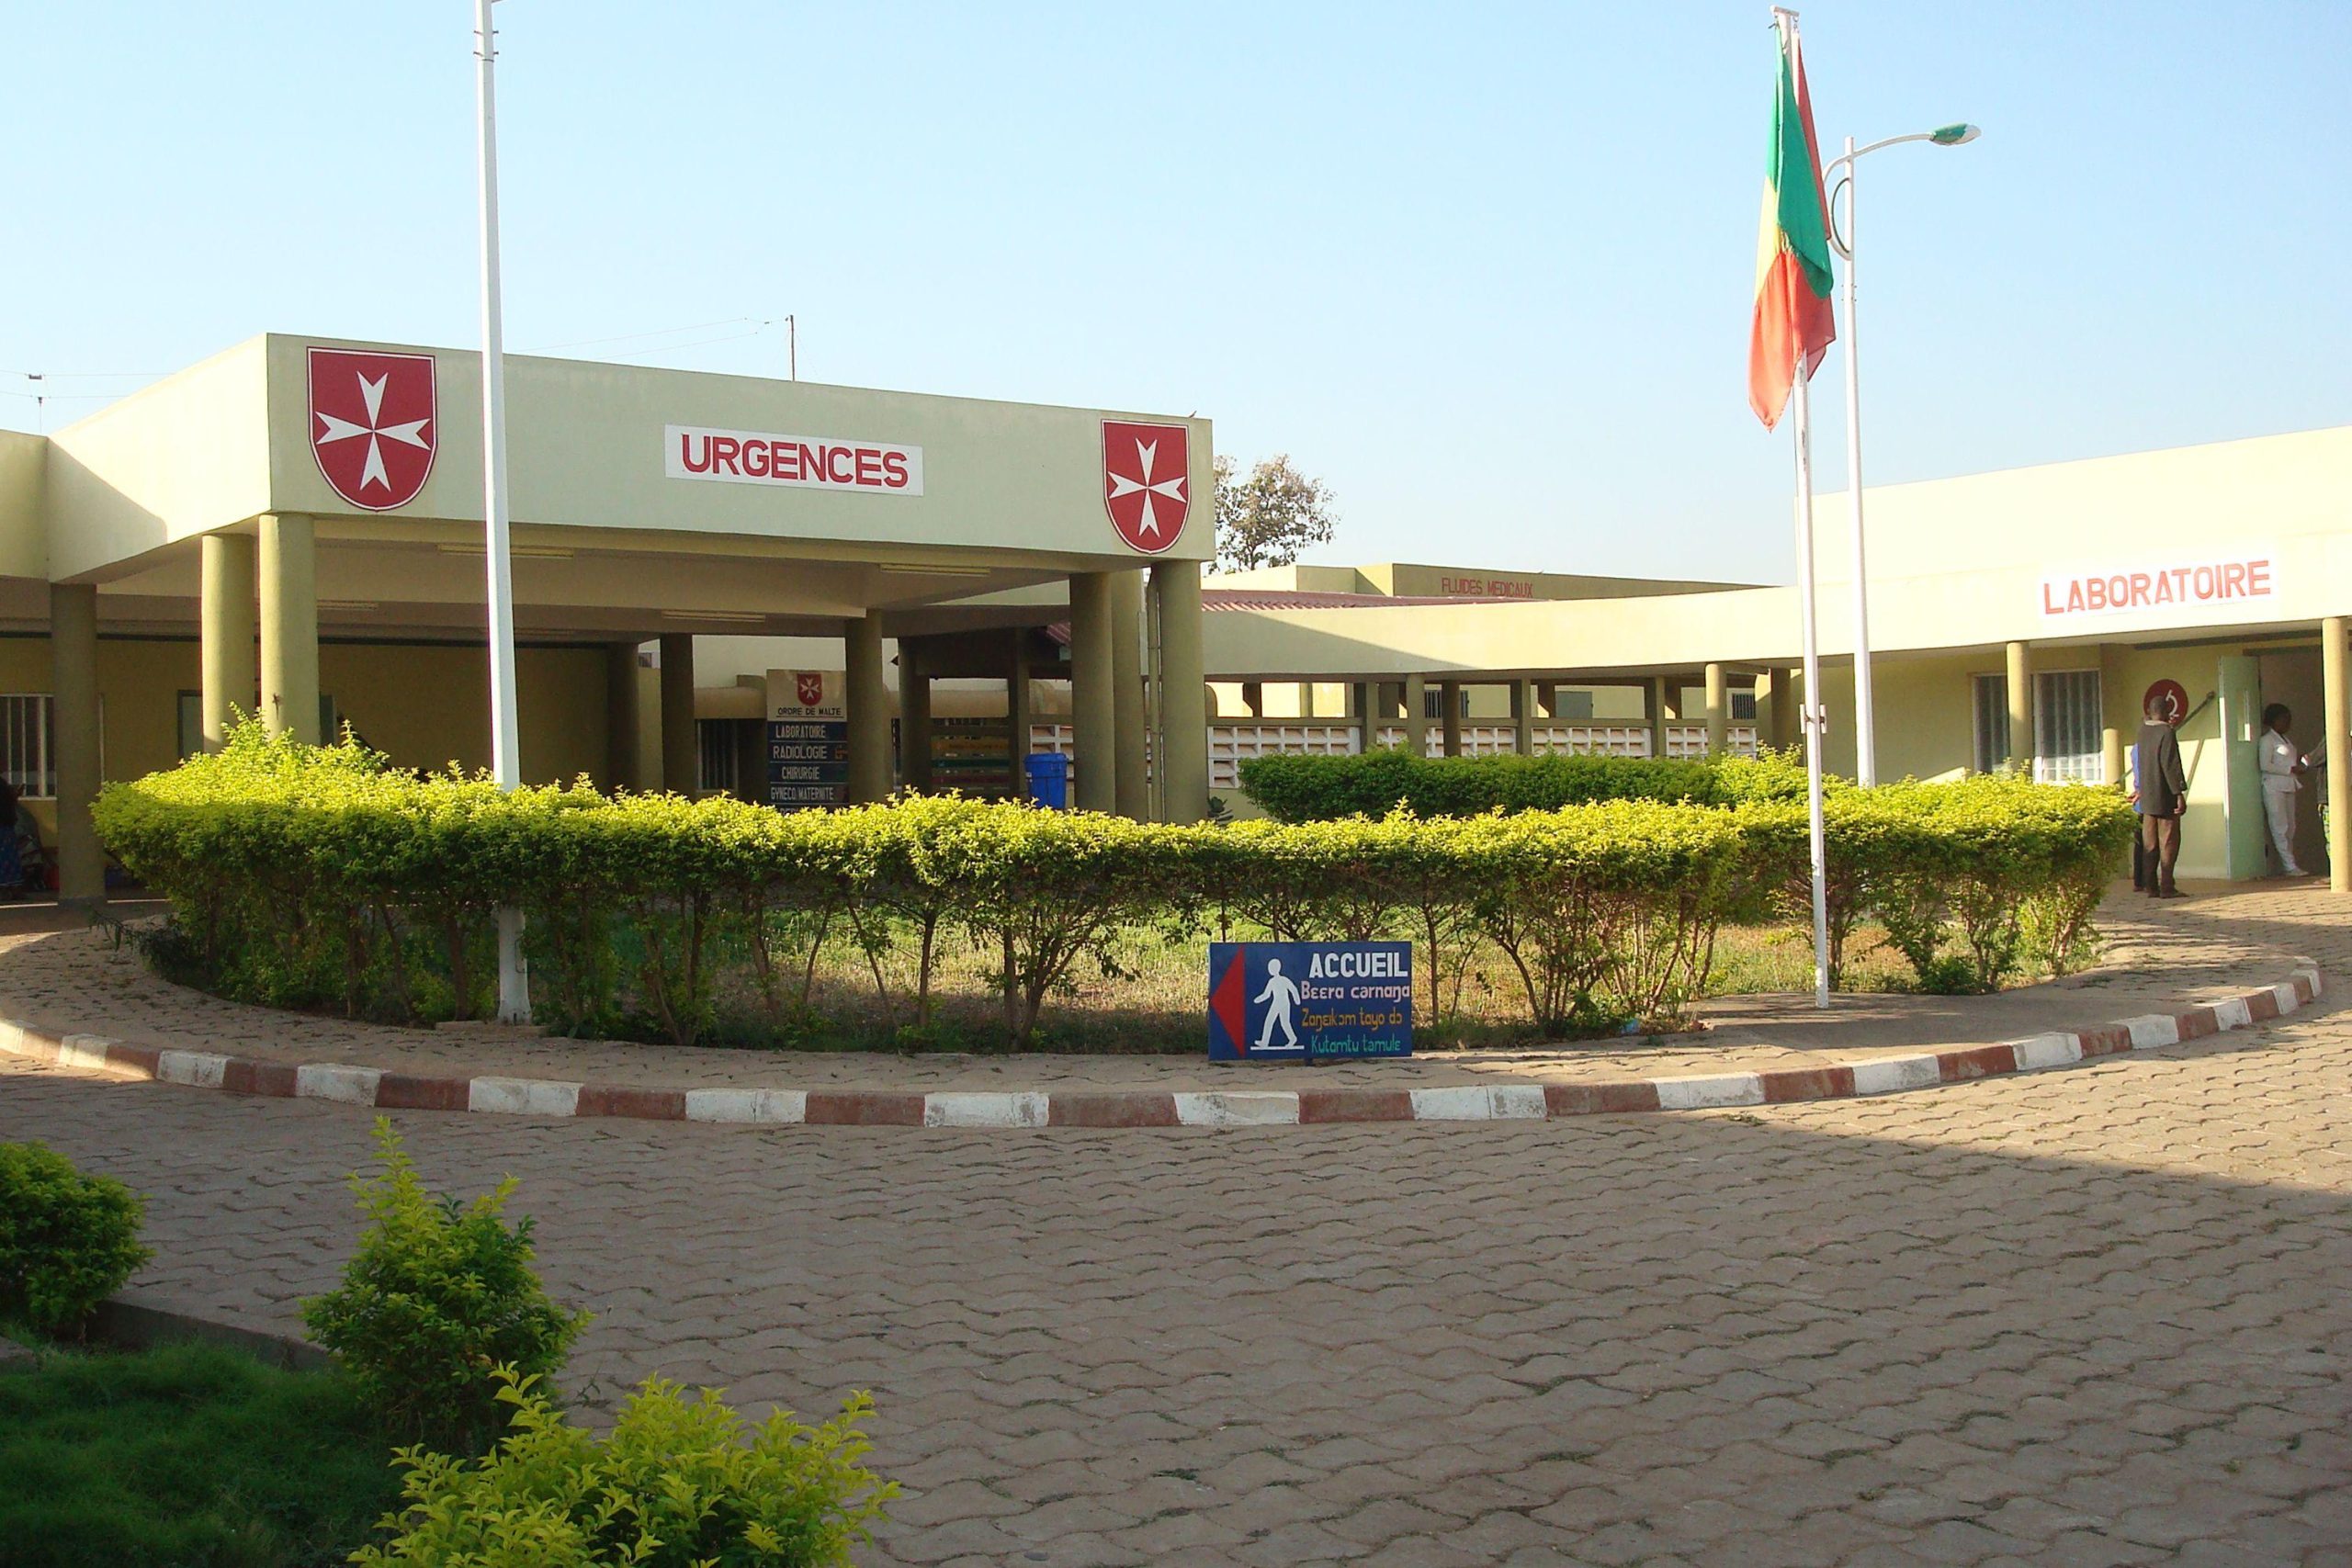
x=1049, y=779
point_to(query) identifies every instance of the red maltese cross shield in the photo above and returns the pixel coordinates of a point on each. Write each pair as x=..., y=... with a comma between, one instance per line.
x=372, y=425
x=1146, y=478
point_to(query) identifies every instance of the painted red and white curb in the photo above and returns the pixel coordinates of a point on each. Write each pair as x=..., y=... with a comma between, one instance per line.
x=384, y=1089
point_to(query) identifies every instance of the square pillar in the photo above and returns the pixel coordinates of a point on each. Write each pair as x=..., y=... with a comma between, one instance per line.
x=1093, y=707
x=289, y=571
x=869, y=711
x=231, y=675
x=2119, y=719
x=1185, y=734
x=2335, y=734
x=681, y=757
x=1654, y=707
x=1718, y=712
x=914, y=718
x=1449, y=702
x=2020, y=686
x=1362, y=697
x=621, y=719
x=1417, y=716
x=1522, y=718
x=1017, y=711
x=1132, y=786
x=74, y=692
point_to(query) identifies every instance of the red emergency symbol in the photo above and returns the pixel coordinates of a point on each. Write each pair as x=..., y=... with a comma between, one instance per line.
x=372, y=425
x=1146, y=481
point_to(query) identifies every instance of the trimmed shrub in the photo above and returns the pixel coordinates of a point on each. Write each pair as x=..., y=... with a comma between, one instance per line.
x=1374, y=785
x=679, y=1482
x=318, y=877
x=67, y=1241
x=439, y=1294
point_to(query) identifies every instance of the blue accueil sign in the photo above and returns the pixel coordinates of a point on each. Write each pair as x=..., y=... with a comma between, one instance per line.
x=1310, y=1001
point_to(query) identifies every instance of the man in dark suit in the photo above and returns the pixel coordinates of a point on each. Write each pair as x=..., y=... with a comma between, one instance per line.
x=2163, y=794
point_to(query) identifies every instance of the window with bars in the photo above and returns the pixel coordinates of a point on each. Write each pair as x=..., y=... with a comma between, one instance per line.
x=2069, y=726
x=1992, y=723
x=28, y=743
x=715, y=741
x=2067, y=729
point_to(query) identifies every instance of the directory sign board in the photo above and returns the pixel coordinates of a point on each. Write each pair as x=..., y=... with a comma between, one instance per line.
x=1310, y=1001
x=808, y=739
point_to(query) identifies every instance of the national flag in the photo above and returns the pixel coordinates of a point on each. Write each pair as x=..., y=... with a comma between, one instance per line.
x=1792, y=278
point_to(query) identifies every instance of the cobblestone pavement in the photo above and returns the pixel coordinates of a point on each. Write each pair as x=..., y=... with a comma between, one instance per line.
x=2088, y=1317
x=2161, y=959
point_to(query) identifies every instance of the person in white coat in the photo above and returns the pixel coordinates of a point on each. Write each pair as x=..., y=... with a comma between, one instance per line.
x=2282, y=783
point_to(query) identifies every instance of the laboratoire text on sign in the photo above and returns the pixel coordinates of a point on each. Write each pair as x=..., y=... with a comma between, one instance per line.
x=2159, y=589
x=1310, y=1001
x=798, y=462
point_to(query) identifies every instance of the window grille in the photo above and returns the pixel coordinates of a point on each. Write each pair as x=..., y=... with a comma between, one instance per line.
x=28, y=743
x=2067, y=727
x=715, y=741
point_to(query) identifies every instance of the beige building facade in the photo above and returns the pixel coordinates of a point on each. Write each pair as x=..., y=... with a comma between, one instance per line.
x=294, y=528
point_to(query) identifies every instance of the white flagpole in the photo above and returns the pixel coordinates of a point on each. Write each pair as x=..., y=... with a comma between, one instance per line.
x=514, y=981
x=1816, y=714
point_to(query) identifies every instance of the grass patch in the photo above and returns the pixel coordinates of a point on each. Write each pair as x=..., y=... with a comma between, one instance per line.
x=187, y=1456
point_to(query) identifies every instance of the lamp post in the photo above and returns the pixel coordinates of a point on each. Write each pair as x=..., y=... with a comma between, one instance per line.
x=1865, y=729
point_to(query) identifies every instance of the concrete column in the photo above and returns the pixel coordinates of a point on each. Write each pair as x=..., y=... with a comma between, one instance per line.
x=681, y=757
x=1362, y=697
x=621, y=719
x=2020, y=683
x=228, y=632
x=2335, y=729
x=1417, y=716
x=2117, y=719
x=1777, y=709
x=869, y=710
x=1307, y=699
x=1718, y=712
x=1449, y=699
x=1185, y=739
x=1522, y=718
x=914, y=718
x=1133, y=785
x=1653, y=710
x=1093, y=707
x=74, y=691
x=1017, y=709
x=289, y=627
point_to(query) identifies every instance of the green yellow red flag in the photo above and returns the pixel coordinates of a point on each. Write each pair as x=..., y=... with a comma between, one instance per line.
x=1792, y=279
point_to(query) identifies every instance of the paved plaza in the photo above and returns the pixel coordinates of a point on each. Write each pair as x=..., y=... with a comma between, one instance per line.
x=2093, y=1315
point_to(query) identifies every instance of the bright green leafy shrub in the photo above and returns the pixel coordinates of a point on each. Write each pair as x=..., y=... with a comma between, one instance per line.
x=67, y=1241
x=680, y=1483
x=318, y=877
x=439, y=1295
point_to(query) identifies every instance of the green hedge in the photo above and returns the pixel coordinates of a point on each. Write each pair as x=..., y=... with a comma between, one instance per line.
x=1313, y=789
x=319, y=876
x=67, y=1240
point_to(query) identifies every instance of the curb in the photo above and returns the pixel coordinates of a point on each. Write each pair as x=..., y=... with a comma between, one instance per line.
x=384, y=1089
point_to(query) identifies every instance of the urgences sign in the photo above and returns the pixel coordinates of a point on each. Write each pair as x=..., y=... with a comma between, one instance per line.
x=798, y=462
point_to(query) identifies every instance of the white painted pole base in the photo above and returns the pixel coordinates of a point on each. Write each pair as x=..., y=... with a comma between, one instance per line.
x=513, y=972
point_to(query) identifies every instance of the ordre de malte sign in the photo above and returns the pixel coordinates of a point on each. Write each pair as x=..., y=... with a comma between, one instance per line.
x=373, y=424
x=1147, y=477
x=1310, y=1001
x=807, y=740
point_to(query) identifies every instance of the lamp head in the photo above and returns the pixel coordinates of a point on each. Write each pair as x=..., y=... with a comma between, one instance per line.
x=1954, y=135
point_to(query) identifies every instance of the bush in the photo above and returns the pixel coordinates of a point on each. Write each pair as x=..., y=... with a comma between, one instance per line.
x=67, y=1241
x=439, y=1294
x=1316, y=789
x=679, y=1482
x=319, y=876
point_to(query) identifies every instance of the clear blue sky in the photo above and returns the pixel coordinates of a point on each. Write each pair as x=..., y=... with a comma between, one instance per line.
x=1483, y=268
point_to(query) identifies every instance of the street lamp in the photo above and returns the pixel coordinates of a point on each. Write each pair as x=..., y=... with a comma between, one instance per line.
x=1865, y=730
